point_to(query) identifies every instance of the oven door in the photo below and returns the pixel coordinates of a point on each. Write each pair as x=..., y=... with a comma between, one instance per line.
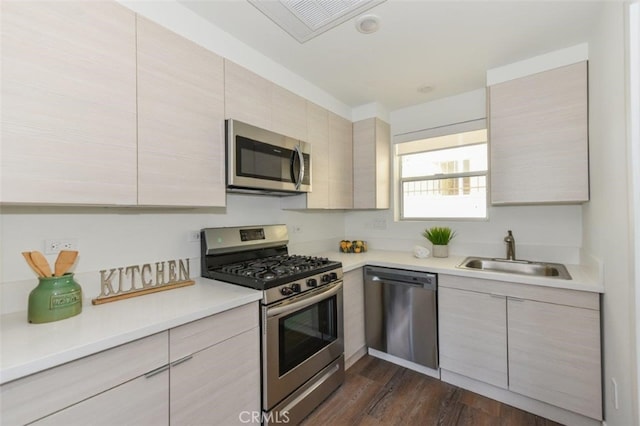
x=300, y=337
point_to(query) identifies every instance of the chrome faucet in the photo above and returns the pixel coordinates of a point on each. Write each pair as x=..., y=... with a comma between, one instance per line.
x=511, y=246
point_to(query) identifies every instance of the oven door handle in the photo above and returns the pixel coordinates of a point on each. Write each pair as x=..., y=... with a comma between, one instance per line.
x=287, y=308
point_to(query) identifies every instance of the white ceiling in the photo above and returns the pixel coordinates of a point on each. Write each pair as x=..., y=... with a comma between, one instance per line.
x=448, y=45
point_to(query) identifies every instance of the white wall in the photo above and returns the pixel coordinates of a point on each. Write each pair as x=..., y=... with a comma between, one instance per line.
x=546, y=233
x=114, y=237
x=606, y=218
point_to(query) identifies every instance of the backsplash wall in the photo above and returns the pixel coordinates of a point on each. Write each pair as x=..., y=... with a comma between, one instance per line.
x=114, y=237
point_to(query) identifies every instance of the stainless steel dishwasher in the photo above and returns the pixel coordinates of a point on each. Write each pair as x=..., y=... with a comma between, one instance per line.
x=401, y=317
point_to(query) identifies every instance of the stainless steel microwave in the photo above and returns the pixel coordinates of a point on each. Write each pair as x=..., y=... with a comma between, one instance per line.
x=261, y=161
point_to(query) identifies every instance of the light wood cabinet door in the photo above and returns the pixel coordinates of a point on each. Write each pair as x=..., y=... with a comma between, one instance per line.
x=181, y=159
x=371, y=166
x=473, y=335
x=38, y=395
x=318, y=128
x=554, y=355
x=68, y=103
x=340, y=162
x=353, y=298
x=247, y=96
x=539, y=138
x=216, y=385
x=288, y=113
x=142, y=401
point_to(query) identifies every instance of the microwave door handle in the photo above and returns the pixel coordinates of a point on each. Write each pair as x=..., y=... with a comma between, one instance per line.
x=298, y=153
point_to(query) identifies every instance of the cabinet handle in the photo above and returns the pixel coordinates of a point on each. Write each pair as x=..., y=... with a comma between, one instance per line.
x=181, y=360
x=157, y=371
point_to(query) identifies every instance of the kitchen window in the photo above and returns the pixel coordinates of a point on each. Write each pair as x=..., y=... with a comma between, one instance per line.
x=443, y=175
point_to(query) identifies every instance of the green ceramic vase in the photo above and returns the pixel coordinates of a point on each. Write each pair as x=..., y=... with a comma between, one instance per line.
x=54, y=298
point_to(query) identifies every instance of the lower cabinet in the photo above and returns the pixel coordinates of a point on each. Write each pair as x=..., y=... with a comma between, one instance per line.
x=203, y=372
x=473, y=335
x=142, y=401
x=353, y=297
x=217, y=385
x=540, y=342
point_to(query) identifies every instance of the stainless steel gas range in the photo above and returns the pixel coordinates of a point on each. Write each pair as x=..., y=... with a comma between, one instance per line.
x=302, y=343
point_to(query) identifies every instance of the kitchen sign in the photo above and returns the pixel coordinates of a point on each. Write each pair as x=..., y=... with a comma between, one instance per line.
x=137, y=280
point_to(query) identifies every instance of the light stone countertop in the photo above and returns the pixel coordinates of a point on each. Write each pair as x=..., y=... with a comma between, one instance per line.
x=28, y=348
x=584, y=278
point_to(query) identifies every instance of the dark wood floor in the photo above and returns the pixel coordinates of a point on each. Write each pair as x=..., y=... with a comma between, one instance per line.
x=377, y=392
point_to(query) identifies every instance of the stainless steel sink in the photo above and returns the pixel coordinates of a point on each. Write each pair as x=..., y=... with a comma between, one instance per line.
x=520, y=267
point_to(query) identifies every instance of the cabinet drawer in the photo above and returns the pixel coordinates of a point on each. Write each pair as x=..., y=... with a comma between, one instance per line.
x=30, y=398
x=200, y=334
x=142, y=401
x=559, y=296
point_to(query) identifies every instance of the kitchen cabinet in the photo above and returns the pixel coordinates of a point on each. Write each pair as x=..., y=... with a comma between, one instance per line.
x=332, y=162
x=554, y=354
x=142, y=401
x=539, y=138
x=353, y=299
x=70, y=386
x=68, y=103
x=318, y=131
x=247, y=96
x=288, y=113
x=215, y=368
x=102, y=110
x=551, y=337
x=203, y=372
x=341, y=162
x=371, y=166
x=180, y=120
x=257, y=101
x=473, y=335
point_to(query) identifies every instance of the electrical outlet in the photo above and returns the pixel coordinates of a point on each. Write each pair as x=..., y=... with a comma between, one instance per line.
x=57, y=245
x=193, y=237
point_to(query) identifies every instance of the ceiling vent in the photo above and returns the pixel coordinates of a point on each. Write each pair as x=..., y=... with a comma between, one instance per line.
x=306, y=19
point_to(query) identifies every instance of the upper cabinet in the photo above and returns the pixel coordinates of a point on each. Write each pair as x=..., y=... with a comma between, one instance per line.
x=99, y=112
x=341, y=162
x=539, y=138
x=180, y=120
x=331, y=142
x=318, y=131
x=371, y=166
x=68, y=103
x=257, y=101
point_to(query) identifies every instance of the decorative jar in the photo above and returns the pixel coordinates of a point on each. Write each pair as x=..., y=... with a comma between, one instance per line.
x=54, y=298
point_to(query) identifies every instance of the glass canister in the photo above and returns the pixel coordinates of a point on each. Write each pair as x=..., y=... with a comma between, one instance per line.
x=54, y=298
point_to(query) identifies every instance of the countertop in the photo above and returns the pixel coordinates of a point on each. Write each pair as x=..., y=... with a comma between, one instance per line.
x=28, y=348
x=584, y=278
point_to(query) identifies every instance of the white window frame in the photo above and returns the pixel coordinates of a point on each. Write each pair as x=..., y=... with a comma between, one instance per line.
x=399, y=140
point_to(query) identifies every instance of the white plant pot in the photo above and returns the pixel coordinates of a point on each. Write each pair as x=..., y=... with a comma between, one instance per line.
x=440, y=251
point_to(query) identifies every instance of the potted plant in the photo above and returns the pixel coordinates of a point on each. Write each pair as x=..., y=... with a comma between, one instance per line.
x=439, y=237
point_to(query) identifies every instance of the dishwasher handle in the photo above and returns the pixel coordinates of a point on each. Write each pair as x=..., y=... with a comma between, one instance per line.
x=424, y=280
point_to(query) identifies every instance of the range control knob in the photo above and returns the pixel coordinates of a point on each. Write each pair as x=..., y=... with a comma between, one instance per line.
x=312, y=282
x=334, y=276
x=286, y=291
x=295, y=288
x=326, y=278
